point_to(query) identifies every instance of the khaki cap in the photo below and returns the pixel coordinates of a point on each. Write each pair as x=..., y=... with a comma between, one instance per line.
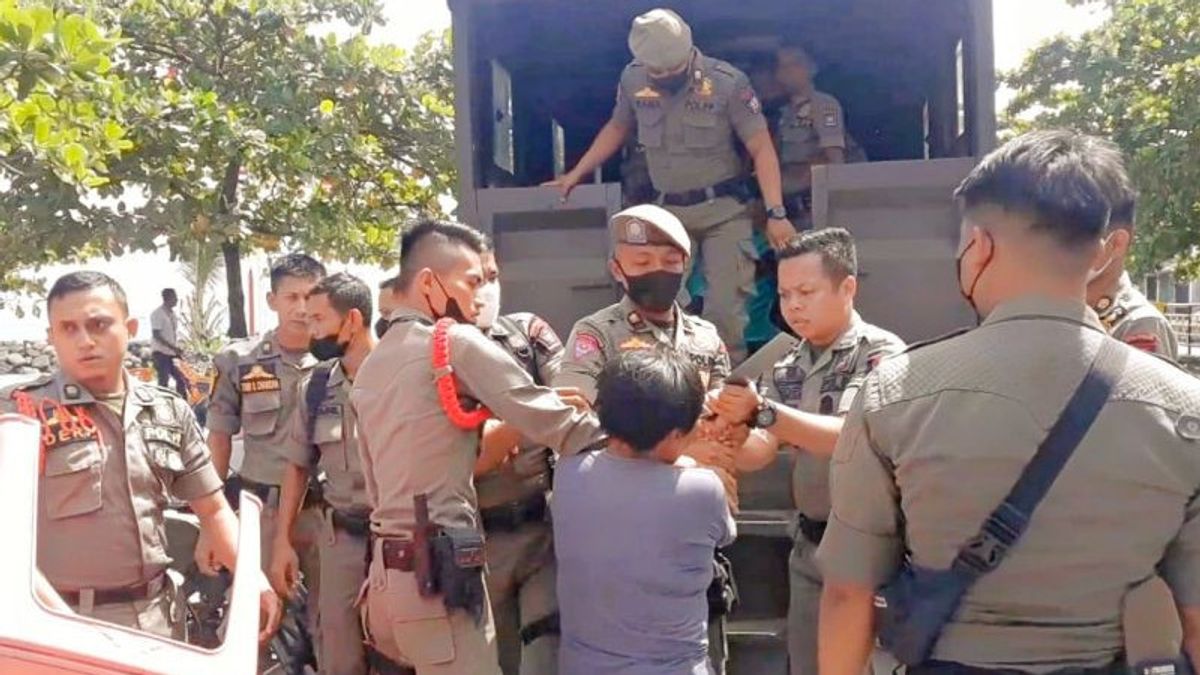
x=660, y=39
x=649, y=225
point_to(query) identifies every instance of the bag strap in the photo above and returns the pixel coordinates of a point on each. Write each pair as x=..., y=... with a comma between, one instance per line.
x=318, y=385
x=1004, y=527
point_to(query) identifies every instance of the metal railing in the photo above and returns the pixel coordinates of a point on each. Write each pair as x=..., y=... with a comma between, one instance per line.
x=1185, y=321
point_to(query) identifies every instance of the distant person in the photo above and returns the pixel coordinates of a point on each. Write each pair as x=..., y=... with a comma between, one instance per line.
x=811, y=131
x=1122, y=308
x=636, y=526
x=164, y=343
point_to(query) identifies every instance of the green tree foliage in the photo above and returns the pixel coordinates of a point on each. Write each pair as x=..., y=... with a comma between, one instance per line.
x=61, y=123
x=252, y=130
x=1136, y=79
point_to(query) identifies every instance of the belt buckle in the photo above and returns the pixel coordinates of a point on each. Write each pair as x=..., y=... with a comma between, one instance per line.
x=710, y=194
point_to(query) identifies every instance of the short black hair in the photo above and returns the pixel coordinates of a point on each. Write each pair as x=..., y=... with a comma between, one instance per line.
x=86, y=280
x=835, y=246
x=1050, y=176
x=441, y=230
x=389, y=283
x=168, y=293
x=296, y=265
x=644, y=395
x=346, y=292
x=1114, y=180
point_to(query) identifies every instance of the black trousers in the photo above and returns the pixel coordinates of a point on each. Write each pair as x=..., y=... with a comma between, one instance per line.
x=164, y=366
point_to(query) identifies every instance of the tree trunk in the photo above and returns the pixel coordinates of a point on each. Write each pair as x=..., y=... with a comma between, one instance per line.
x=232, y=252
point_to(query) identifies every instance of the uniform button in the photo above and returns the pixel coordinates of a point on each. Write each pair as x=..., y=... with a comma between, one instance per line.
x=1188, y=427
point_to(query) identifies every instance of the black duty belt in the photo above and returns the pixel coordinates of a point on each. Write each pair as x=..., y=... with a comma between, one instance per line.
x=511, y=516
x=113, y=596
x=952, y=668
x=269, y=494
x=356, y=525
x=734, y=187
x=813, y=530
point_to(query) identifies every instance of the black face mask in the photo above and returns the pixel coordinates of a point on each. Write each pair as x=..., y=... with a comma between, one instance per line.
x=655, y=291
x=969, y=292
x=381, y=326
x=671, y=83
x=327, y=347
x=452, y=310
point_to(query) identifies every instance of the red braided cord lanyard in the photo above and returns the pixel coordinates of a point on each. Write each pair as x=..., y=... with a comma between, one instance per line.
x=446, y=387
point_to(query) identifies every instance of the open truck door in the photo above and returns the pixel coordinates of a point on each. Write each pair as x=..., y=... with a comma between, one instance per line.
x=34, y=639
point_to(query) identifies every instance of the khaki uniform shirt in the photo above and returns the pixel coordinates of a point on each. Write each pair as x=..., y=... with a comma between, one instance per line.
x=335, y=435
x=408, y=444
x=536, y=347
x=618, y=328
x=689, y=136
x=103, y=489
x=806, y=127
x=825, y=382
x=1133, y=319
x=257, y=389
x=938, y=437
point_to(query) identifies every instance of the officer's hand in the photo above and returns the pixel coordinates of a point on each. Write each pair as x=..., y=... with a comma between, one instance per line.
x=736, y=403
x=206, y=555
x=779, y=231
x=710, y=453
x=284, y=573
x=574, y=398
x=565, y=183
x=270, y=611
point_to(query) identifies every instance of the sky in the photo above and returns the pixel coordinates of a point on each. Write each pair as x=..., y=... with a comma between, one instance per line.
x=1019, y=26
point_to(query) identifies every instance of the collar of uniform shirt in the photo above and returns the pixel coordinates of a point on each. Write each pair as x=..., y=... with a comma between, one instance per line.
x=1040, y=306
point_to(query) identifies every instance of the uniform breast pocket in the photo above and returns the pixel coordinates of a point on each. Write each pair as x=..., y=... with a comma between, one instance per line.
x=327, y=433
x=700, y=130
x=651, y=126
x=71, y=484
x=260, y=413
x=797, y=143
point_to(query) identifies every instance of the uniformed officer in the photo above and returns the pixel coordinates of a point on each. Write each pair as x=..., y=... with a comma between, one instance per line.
x=322, y=439
x=114, y=452
x=513, y=502
x=387, y=304
x=255, y=390
x=939, y=434
x=688, y=109
x=803, y=400
x=651, y=250
x=419, y=439
x=1125, y=312
x=811, y=131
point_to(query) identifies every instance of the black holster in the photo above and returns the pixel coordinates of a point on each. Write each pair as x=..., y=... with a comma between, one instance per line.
x=458, y=556
x=722, y=591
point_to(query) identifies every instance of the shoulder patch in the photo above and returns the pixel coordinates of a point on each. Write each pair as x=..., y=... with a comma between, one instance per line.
x=542, y=335
x=585, y=345
x=750, y=100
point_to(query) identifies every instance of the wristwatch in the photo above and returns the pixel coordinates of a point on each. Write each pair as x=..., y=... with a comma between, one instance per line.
x=764, y=416
x=777, y=212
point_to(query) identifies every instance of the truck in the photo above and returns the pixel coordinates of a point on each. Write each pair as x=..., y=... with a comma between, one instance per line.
x=536, y=79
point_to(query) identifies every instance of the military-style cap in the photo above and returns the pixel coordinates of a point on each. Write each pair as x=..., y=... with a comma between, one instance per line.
x=660, y=39
x=649, y=225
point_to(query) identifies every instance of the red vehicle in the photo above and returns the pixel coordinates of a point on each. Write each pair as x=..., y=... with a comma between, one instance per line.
x=35, y=640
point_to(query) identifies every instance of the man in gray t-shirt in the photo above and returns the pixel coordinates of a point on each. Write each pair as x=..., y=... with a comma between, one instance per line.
x=635, y=527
